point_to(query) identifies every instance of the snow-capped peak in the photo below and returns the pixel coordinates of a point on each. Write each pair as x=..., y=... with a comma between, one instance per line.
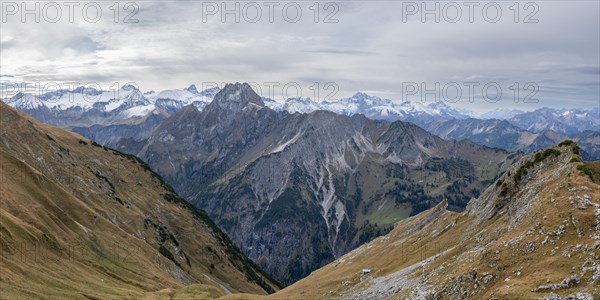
x=501, y=113
x=129, y=100
x=129, y=87
x=210, y=92
x=360, y=95
x=192, y=89
x=25, y=101
x=87, y=90
x=372, y=107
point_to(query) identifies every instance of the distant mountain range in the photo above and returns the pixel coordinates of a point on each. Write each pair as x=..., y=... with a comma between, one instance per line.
x=79, y=106
x=108, y=116
x=374, y=107
x=499, y=113
x=88, y=106
x=505, y=135
x=562, y=121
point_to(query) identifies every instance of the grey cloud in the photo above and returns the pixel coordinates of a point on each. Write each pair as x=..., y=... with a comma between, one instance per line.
x=589, y=83
x=584, y=69
x=370, y=49
x=83, y=44
x=340, y=51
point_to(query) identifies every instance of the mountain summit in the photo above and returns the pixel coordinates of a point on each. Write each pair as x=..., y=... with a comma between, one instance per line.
x=235, y=97
x=192, y=89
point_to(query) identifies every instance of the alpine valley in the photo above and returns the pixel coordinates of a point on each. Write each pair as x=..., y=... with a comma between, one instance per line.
x=302, y=188
x=295, y=191
x=299, y=150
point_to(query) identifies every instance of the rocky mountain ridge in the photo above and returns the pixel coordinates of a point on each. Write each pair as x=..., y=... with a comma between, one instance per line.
x=504, y=135
x=108, y=116
x=128, y=102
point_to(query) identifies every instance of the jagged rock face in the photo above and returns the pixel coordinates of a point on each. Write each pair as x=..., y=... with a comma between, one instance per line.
x=535, y=234
x=294, y=191
x=234, y=98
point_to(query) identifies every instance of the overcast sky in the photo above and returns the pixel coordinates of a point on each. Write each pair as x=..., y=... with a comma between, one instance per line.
x=369, y=48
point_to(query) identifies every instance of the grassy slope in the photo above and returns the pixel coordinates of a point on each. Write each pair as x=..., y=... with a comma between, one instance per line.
x=82, y=221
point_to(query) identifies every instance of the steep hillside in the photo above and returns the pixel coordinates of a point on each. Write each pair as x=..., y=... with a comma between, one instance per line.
x=295, y=191
x=534, y=234
x=78, y=220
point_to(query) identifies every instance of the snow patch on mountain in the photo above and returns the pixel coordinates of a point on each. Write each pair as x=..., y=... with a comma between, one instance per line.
x=500, y=113
x=371, y=106
x=282, y=147
x=25, y=101
x=128, y=101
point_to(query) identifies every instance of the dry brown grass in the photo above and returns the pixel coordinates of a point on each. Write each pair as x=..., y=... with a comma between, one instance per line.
x=73, y=225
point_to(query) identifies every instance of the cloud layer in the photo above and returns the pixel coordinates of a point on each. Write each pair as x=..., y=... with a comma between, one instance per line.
x=371, y=48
